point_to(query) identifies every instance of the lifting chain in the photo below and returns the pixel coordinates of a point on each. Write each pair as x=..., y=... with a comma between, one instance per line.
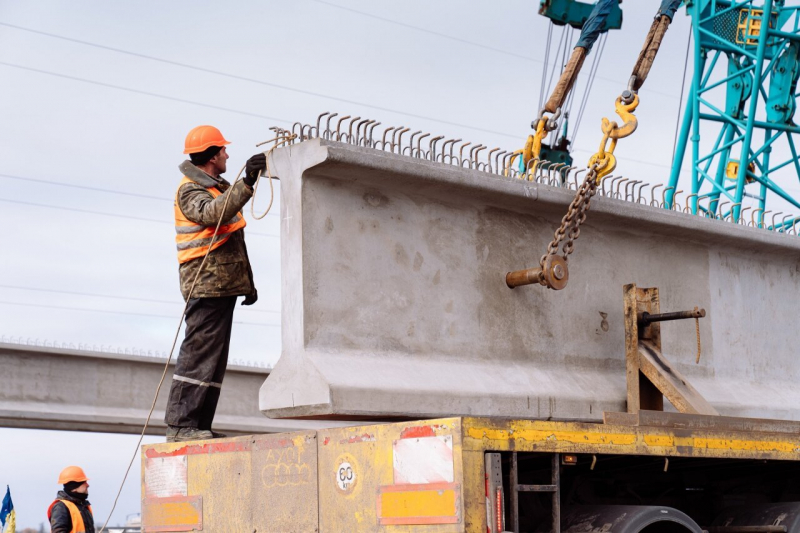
x=576, y=215
x=552, y=271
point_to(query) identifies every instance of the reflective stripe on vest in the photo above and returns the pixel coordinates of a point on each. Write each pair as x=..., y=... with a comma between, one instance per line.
x=74, y=513
x=193, y=240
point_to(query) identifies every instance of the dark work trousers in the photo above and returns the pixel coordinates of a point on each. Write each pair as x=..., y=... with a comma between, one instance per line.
x=201, y=364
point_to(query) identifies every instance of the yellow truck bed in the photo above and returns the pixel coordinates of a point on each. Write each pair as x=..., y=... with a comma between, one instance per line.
x=426, y=476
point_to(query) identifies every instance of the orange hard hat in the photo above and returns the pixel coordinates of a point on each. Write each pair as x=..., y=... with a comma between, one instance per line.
x=203, y=137
x=72, y=473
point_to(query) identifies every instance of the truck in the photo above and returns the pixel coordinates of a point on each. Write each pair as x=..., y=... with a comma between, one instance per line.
x=477, y=407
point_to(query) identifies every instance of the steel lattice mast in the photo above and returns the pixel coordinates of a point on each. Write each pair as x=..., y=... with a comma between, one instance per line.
x=759, y=81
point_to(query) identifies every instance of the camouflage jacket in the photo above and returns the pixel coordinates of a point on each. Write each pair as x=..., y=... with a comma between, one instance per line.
x=227, y=270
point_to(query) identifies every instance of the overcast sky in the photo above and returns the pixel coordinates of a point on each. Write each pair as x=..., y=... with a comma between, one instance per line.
x=82, y=264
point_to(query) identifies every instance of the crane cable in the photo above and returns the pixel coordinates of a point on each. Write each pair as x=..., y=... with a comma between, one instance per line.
x=552, y=271
x=543, y=125
x=283, y=138
x=589, y=84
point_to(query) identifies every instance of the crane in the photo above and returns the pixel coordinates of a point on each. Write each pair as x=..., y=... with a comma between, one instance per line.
x=747, y=101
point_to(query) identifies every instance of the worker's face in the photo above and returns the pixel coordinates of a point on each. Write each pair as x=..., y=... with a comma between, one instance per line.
x=83, y=489
x=220, y=161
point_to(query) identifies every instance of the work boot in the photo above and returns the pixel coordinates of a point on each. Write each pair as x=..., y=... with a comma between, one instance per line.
x=188, y=434
x=218, y=435
x=172, y=431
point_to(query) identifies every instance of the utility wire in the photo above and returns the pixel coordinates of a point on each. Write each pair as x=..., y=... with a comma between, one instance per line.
x=457, y=39
x=147, y=93
x=172, y=98
x=131, y=217
x=116, y=297
x=430, y=32
x=149, y=315
x=680, y=100
x=85, y=187
x=88, y=188
x=276, y=85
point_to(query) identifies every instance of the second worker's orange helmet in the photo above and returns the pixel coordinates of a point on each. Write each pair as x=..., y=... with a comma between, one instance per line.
x=72, y=473
x=202, y=138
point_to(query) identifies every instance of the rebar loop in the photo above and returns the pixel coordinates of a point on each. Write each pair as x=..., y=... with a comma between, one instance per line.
x=364, y=132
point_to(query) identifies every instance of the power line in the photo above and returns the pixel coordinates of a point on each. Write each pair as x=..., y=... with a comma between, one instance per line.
x=106, y=311
x=147, y=93
x=85, y=187
x=227, y=75
x=430, y=32
x=457, y=39
x=96, y=189
x=117, y=297
x=131, y=217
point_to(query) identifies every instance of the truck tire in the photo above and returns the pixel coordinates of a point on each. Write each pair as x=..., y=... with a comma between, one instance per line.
x=626, y=519
x=763, y=514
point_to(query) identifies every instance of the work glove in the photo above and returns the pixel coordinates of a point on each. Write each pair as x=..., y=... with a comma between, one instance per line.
x=251, y=298
x=256, y=164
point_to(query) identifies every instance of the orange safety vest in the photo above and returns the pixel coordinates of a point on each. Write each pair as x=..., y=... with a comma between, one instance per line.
x=193, y=240
x=77, y=520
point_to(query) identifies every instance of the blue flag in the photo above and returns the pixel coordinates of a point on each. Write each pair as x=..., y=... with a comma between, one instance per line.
x=8, y=518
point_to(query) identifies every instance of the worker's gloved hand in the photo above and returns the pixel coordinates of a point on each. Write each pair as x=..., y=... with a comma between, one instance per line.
x=251, y=298
x=256, y=164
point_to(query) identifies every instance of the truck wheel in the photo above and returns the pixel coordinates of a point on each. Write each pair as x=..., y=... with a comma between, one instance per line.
x=626, y=519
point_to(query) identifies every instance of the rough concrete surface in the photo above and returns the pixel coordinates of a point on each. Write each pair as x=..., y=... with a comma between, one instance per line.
x=77, y=390
x=394, y=300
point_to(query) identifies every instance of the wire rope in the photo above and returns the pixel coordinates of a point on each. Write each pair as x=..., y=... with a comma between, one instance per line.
x=283, y=138
x=680, y=100
x=544, y=65
x=589, y=84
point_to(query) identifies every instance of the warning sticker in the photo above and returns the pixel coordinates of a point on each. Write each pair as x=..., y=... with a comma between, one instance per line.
x=346, y=473
x=165, y=477
x=424, y=460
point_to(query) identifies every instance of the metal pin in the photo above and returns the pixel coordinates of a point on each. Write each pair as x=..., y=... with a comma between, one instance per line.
x=419, y=144
x=753, y=217
x=721, y=215
x=741, y=216
x=773, y=219
x=400, y=139
x=339, y=125
x=675, y=202
x=432, y=147
x=783, y=223
x=617, y=194
x=664, y=196
x=461, y=153
x=358, y=131
x=653, y=201
x=319, y=121
x=632, y=185
x=411, y=143
x=328, y=131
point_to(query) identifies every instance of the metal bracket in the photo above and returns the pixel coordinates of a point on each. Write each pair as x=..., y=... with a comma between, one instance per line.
x=650, y=376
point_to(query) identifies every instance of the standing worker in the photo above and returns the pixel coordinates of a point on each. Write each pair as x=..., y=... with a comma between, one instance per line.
x=71, y=512
x=200, y=204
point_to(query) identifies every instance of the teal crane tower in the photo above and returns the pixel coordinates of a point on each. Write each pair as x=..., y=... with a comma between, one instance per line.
x=747, y=103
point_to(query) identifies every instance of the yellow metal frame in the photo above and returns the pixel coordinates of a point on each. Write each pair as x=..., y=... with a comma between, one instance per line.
x=421, y=476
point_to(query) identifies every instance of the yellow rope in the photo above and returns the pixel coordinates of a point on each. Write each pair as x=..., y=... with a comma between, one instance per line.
x=697, y=328
x=284, y=139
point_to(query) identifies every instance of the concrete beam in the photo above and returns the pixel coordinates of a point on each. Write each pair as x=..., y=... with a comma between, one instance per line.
x=394, y=298
x=76, y=390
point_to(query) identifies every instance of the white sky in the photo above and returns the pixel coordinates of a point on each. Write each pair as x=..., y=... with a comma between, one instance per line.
x=69, y=274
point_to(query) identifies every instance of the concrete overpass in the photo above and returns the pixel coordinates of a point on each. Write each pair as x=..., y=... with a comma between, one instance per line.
x=78, y=390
